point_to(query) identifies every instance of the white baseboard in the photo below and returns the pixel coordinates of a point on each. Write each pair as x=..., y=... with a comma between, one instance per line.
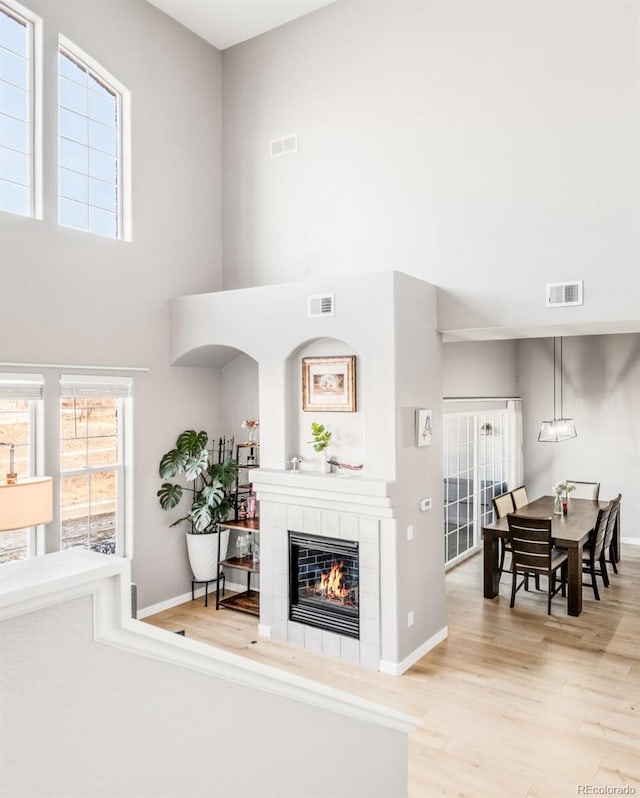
x=153, y=609
x=631, y=541
x=398, y=668
x=264, y=631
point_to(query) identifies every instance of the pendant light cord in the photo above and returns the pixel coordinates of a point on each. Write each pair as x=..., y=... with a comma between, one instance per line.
x=561, y=375
x=555, y=340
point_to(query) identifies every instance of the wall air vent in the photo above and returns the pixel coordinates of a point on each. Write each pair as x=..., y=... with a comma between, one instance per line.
x=283, y=146
x=320, y=305
x=560, y=295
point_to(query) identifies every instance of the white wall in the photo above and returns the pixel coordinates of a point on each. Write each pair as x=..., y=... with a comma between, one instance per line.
x=280, y=331
x=485, y=147
x=69, y=297
x=93, y=704
x=601, y=390
x=479, y=369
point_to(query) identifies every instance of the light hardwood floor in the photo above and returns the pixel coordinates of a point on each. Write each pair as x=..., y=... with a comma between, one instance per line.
x=514, y=702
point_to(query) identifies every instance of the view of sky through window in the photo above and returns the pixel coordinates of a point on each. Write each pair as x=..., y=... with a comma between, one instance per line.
x=15, y=116
x=88, y=139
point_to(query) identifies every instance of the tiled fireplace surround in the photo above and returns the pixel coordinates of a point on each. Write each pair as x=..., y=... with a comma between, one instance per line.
x=332, y=506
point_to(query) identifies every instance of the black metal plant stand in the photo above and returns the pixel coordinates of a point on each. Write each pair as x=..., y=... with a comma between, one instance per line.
x=206, y=583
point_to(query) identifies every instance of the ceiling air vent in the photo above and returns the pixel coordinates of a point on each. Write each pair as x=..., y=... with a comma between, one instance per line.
x=560, y=295
x=283, y=146
x=320, y=305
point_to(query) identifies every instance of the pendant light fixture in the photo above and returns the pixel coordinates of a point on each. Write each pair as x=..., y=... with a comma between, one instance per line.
x=559, y=428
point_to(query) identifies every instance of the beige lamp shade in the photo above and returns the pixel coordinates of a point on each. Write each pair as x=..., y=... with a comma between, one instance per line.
x=26, y=503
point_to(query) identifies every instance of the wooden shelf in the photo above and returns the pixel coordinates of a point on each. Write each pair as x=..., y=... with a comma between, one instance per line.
x=248, y=601
x=243, y=524
x=248, y=445
x=245, y=563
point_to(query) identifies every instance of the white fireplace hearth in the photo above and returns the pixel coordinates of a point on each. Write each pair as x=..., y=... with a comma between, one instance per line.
x=333, y=506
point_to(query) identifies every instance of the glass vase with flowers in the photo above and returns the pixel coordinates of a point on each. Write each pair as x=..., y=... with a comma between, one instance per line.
x=561, y=505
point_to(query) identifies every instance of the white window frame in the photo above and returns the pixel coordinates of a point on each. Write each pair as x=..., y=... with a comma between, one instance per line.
x=120, y=388
x=29, y=387
x=123, y=99
x=35, y=62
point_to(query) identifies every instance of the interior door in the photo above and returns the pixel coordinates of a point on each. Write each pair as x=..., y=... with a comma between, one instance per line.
x=475, y=469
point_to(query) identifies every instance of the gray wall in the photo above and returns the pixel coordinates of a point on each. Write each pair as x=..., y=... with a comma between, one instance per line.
x=418, y=377
x=487, y=148
x=601, y=390
x=68, y=297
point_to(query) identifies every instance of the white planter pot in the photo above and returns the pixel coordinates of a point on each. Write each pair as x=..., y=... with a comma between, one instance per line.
x=203, y=554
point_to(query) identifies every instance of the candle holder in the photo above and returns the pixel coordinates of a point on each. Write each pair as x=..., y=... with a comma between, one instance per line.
x=12, y=476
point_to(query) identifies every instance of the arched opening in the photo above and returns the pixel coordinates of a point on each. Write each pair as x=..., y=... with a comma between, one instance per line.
x=345, y=424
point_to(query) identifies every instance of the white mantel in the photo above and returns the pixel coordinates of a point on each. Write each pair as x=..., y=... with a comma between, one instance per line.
x=339, y=491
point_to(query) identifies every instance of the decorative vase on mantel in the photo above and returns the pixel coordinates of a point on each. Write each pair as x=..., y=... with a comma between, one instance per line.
x=325, y=467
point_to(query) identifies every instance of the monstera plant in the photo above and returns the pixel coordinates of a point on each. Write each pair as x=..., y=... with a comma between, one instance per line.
x=209, y=492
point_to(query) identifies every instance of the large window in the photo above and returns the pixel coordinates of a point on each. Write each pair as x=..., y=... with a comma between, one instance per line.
x=18, y=131
x=93, y=435
x=20, y=414
x=92, y=109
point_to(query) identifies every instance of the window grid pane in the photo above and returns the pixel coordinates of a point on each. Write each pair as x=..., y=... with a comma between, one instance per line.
x=90, y=466
x=89, y=135
x=15, y=114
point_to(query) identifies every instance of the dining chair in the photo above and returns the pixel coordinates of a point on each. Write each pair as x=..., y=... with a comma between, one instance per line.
x=608, y=553
x=592, y=554
x=532, y=553
x=503, y=505
x=519, y=497
x=584, y=490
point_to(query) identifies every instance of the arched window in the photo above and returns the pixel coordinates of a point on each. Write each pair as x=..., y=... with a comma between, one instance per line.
x=93, y=146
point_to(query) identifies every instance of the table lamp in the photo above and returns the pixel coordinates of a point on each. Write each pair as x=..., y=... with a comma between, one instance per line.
x=24, y=502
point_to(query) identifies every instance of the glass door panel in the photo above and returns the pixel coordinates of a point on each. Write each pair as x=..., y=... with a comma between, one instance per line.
x=475, y=468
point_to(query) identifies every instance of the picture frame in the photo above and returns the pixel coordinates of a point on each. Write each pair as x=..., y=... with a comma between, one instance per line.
x=329, y=384
x=424, y=429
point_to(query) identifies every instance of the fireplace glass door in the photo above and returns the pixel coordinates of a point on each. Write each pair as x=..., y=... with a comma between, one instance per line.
x=324, y=585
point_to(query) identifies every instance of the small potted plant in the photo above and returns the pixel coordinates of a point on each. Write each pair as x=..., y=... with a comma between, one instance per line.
x=321, y=442
x=210, y=495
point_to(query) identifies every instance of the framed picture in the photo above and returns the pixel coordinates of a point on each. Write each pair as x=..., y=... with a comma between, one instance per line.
x=329, y=383
x=423, y=427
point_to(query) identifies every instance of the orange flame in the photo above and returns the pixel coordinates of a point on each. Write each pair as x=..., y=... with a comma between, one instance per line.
x=331, y=584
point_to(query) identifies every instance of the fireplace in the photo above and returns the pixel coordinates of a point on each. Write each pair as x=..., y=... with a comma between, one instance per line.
x=324, y=583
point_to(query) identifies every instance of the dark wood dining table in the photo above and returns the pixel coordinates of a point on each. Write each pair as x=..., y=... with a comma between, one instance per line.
x=570, y=532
